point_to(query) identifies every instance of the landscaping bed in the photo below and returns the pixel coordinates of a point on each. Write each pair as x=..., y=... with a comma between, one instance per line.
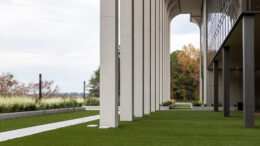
x=23, y=104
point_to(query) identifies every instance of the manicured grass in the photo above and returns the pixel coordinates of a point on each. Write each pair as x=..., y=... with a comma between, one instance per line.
x=182, y=106
x=12, y=124
x=189, y=128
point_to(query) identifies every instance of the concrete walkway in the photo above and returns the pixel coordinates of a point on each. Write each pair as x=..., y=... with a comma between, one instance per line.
x=8, y=135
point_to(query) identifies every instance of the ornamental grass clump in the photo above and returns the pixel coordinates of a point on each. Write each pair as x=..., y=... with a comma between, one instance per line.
x=17, y=104
x=93, y=101
x=56, y=103
x=21, y=104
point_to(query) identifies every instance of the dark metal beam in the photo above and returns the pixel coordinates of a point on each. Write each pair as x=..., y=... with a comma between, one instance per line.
x=215, y=69
x=40, y=86
x=225, y=71
x=248, y=71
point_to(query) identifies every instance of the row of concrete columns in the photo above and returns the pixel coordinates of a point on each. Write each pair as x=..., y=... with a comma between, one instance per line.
x=144, y=59
x=248, y=75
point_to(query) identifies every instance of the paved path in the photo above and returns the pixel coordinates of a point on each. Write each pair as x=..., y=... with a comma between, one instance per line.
x=8, y=135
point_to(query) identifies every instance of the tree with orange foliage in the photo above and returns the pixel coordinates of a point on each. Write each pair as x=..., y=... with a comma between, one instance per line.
x=189, y=60
x=185, y=66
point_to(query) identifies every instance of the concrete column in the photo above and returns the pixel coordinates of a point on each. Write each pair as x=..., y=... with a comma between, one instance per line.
x=225, y=71
x=205, y=55
x=166, y=57
x=215, y=70
x=165, y=54
x=249, y=71
x=126, y=61
x=157, y=35
x=153, y=45
x=168, y=61
x=138, y=58
x=147, y=56
x=161, y=51
x=108, y=63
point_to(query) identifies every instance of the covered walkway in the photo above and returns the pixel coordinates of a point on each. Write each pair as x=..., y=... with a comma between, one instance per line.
x=144, y=55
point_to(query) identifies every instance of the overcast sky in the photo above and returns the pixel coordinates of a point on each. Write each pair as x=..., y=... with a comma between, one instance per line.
x=60, y=39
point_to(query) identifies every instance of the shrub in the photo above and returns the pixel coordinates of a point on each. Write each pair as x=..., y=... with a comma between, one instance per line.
x=167, y=103
x=92, y=102
x=200, y=102
x=173, y=101
x=197, y=103
x=220, y=104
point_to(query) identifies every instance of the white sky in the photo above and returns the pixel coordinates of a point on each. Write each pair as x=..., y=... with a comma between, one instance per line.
x=60, y=39
x=183, y=32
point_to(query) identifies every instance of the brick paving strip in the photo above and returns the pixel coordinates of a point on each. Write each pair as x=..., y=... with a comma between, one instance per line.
x=8, y=135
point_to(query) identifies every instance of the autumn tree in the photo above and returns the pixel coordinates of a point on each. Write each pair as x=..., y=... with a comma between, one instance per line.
x=7, y=83
x=11, y=87
x=48, y=89
x=189, y=60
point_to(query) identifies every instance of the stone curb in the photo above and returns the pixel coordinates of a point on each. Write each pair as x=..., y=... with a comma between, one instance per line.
x=39, y=113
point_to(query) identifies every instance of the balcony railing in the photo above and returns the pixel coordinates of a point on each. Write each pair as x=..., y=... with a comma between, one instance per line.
x=222, y=15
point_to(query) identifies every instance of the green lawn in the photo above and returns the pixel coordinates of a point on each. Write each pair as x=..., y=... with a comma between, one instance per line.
x=12, y=124
x=191, y=128
x=182, y=106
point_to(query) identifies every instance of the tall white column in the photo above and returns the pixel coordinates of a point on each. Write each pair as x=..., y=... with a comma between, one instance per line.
x=108, y=63
x=157, y=35
x=168, y=61
x=163, y=55
x=153, y=45
x=147, y=56
x=138, y=58
x=169, y=43
x=161, y=50
x=166, y=57
x=126, y=61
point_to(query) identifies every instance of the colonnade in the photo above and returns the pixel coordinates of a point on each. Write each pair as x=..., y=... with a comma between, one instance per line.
x=144, y=58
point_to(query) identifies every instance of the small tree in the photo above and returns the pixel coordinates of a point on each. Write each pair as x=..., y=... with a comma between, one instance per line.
x=7, y=83
x=48, y=89
x=11, y=87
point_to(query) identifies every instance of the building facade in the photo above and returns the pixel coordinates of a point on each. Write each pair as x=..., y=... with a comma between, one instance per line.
x=229, y=70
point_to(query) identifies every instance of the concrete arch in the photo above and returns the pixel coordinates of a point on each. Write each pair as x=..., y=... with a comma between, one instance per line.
x=193, y=8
